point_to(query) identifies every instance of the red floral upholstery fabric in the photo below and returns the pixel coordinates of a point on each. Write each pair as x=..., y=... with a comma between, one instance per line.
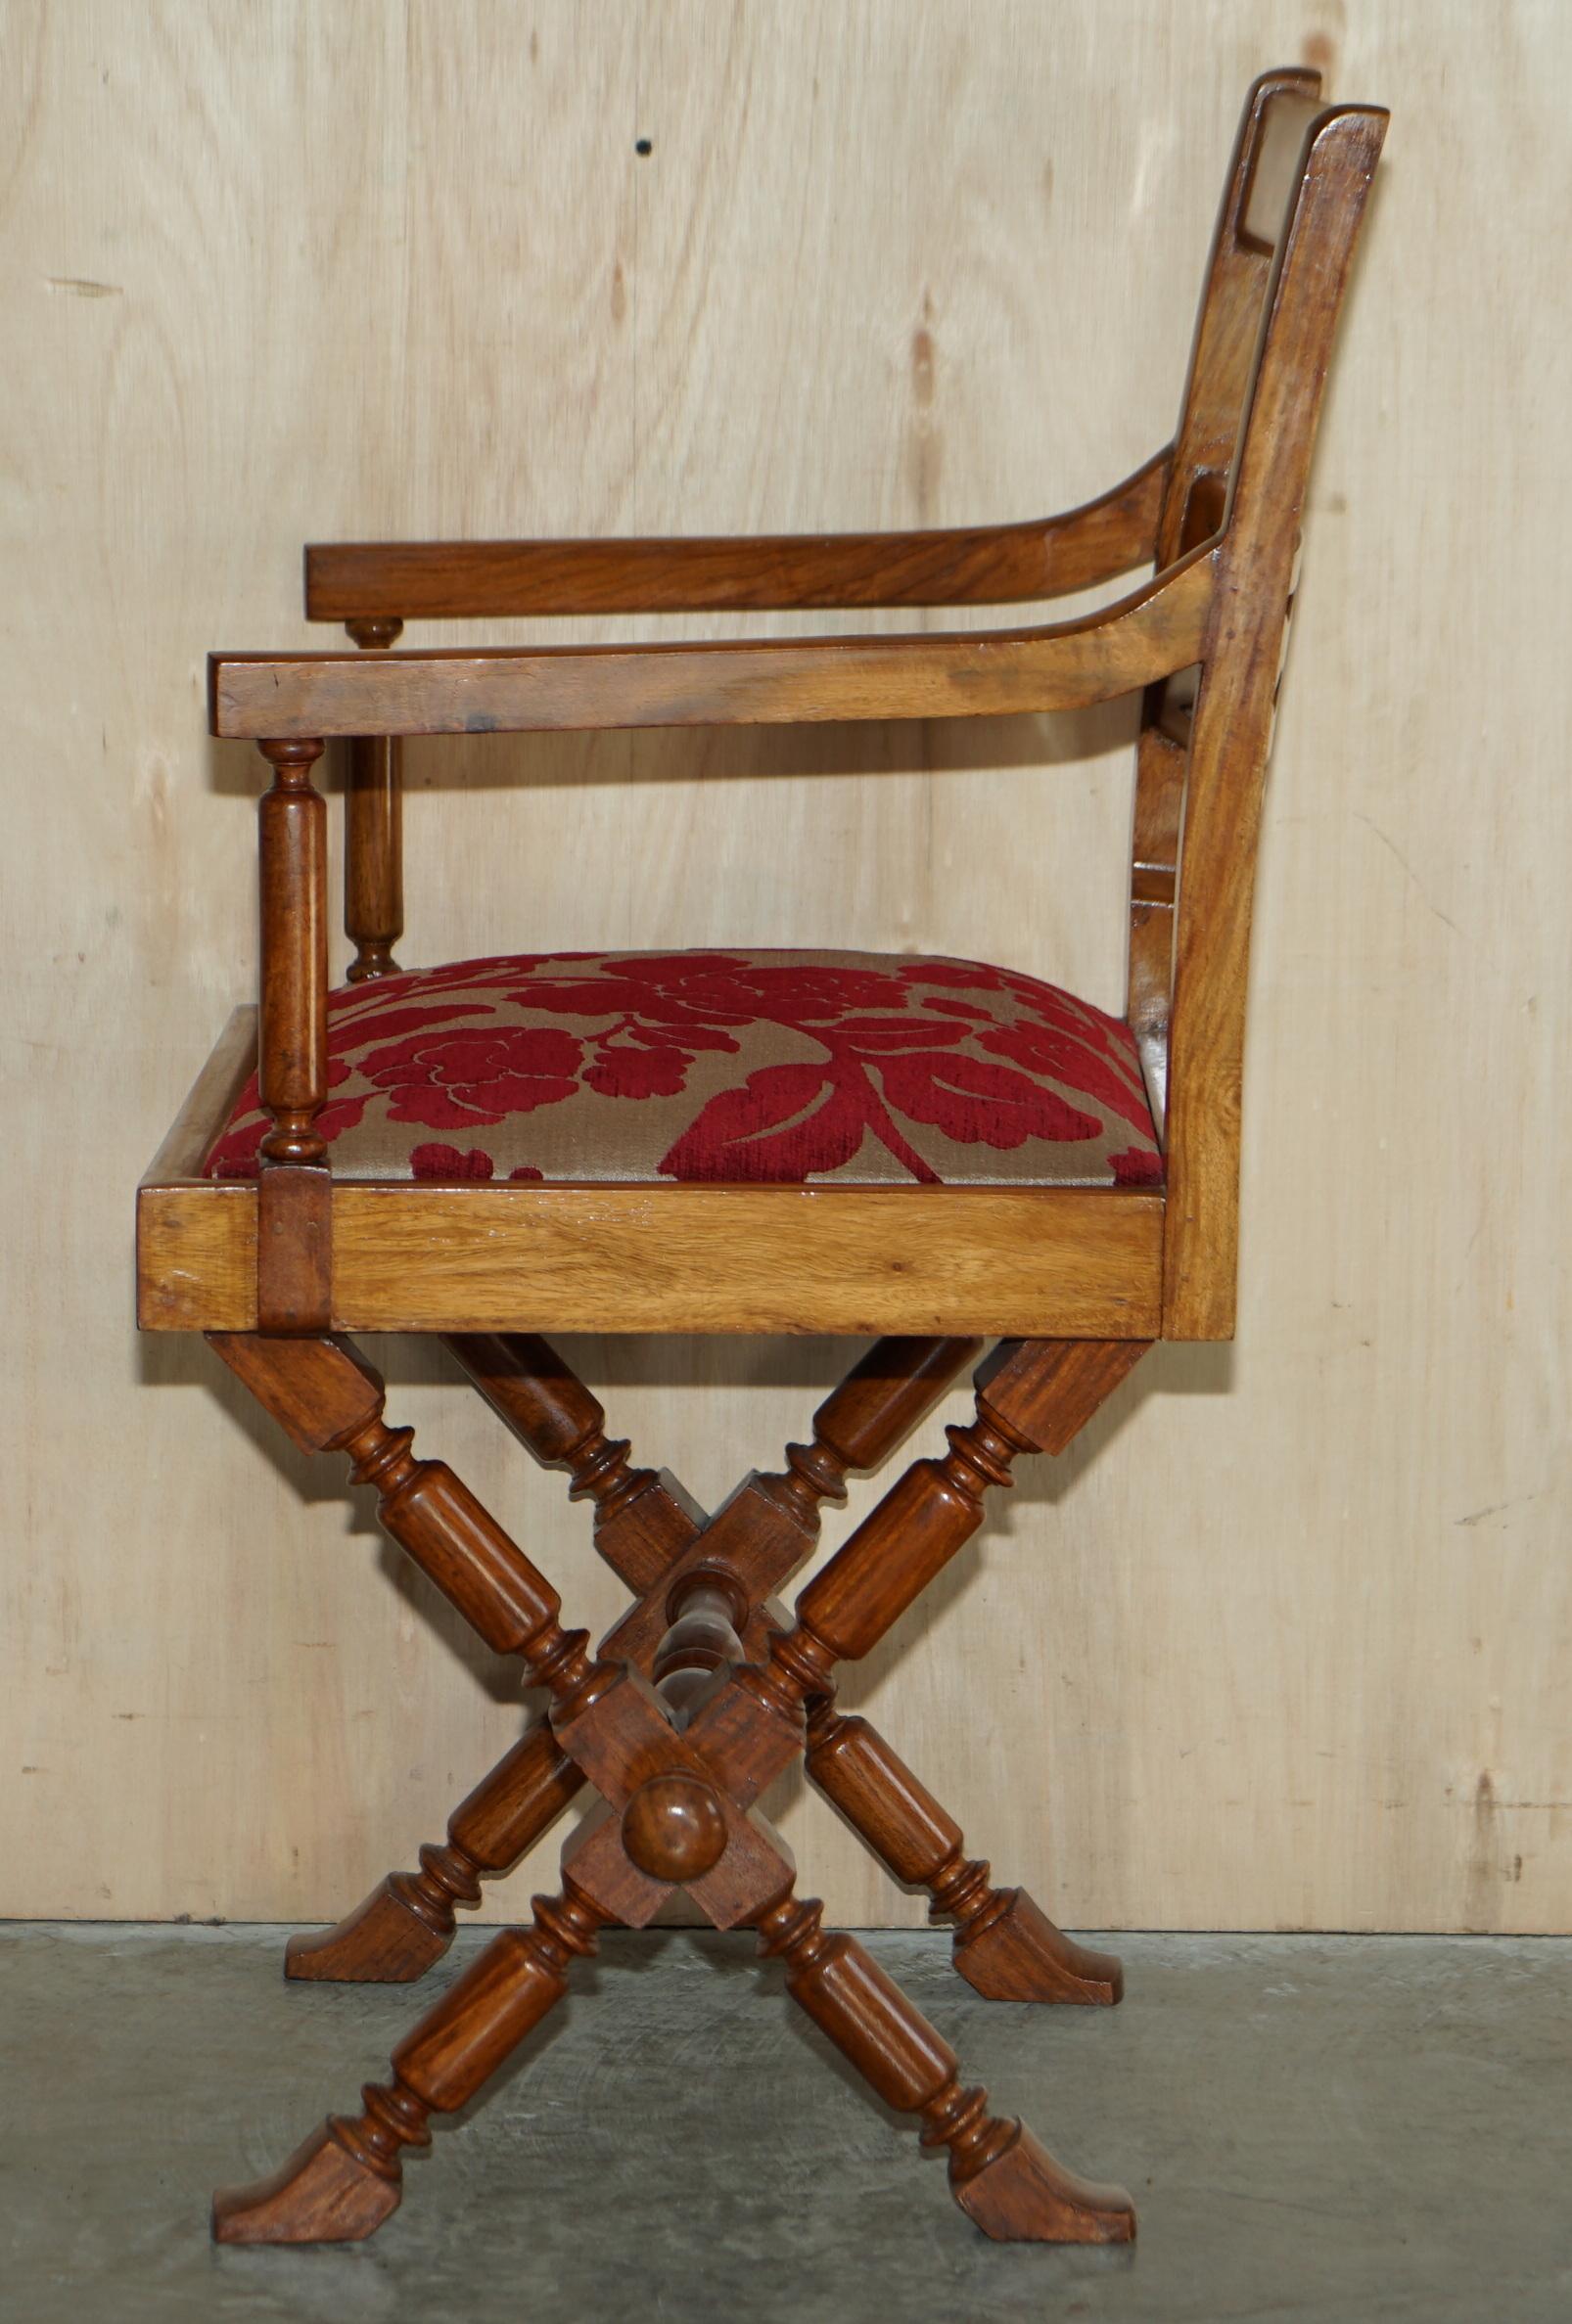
x=771, y=1066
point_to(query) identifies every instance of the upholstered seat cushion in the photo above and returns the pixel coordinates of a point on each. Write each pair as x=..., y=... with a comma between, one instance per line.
x=775, y=1068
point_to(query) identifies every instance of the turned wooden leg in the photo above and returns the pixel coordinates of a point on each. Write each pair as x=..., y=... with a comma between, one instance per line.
x=642, y=1522
x=328, y=1399
x=1009, y=2185
x=407, y=1921
x=348, y=2176
x=642, y=1518
x=1004, y=1946
x=1033, y=1396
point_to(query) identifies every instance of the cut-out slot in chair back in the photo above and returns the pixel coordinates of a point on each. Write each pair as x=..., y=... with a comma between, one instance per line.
x=1272, y=174
x=1263, y=176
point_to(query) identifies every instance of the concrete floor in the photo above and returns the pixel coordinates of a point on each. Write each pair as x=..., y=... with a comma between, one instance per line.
x=1341, y=2128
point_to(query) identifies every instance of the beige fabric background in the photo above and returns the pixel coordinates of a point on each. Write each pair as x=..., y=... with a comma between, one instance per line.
x=1286, y=1643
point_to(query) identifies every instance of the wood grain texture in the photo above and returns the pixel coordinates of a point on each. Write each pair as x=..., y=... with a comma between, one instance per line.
x=1237, y=277
x=1069, y=666
x=990, y=564
x=1295, y=1623
x=1232, y=719
x=678, y=1259
x=292, y=1022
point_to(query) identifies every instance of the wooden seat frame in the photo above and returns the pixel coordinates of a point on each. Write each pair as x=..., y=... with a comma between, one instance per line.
x=707, y=1690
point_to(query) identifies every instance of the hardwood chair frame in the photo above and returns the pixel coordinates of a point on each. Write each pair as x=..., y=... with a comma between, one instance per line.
x=707, y=1691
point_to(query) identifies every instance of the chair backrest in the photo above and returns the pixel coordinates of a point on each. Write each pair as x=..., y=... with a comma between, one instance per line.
x=1280, y=263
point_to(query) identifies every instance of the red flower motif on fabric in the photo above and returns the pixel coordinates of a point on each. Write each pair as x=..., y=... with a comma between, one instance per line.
x=982, y=1105
x=785, y=1124
x=639, y=1070
x=1136, y=1166
x=871, y=1054
x=446, y=1162
x=791, y=1123
x=1064, y=1055
x=480, y=1075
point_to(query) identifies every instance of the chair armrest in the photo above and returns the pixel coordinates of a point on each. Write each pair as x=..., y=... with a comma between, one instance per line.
x=991, y=565
x=786, y=681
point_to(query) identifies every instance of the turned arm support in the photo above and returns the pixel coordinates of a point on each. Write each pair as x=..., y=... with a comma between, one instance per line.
x=979, y=564
x=1066, y=665
x=293, y=1022
x=294, y=1227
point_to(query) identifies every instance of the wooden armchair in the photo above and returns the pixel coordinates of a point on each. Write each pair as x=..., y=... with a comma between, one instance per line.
x=934, y=1151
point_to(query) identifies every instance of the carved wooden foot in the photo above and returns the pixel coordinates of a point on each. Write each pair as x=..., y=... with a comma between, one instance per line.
x=407, y=1921
x=1022, y=2196
x=385, y=1941
x=347, y=2177
x=1020, y=1955
x=1005, y=1946
x=328, y=2192
x=1000, y=2176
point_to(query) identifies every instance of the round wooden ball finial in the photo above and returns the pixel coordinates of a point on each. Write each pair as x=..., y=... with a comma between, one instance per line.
x=674, y=1829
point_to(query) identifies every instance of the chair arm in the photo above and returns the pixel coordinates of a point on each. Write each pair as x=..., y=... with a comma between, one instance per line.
x=1159, y=629
x=991, y=565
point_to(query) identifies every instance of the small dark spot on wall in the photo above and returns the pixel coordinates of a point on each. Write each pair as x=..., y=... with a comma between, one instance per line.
x=922, y=366
x=1516, y=1873
x=643, y=147
x=1319, y=50
x=925, y=443
x=1487, y=1861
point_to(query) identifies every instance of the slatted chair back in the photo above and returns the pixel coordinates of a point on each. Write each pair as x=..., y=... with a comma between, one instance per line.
x=1281, y=257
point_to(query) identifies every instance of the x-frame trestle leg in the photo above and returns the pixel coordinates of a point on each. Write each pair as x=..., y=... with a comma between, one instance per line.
x=679, y=1768
x=658, y=1541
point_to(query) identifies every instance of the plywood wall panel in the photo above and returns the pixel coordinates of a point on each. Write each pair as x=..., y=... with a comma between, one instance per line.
x=1285, y=1641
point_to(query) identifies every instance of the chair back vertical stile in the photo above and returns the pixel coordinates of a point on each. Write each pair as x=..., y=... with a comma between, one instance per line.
x=1231, y=721
x=930, y=1154
x=1194, y=496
